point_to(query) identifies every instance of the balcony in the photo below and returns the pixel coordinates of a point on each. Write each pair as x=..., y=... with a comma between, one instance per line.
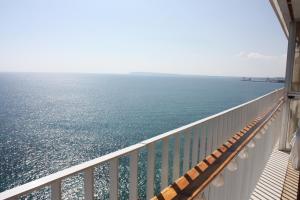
x=219, y=157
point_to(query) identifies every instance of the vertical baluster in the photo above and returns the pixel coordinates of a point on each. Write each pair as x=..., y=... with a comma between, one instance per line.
x=223, y=128
x=195, y=148
x=202, y=151
x=176, y=161
x=215, y=132
x=207, y=140
x=257, y=109
x=150, y=170
x=281, y=133
x=56, y=190
x=230, y=124
x=253, y=111
x=14, y=198
x=250, y=112
x=228, y=176
x=244, y=116
x=235, y=121
x=239, y=119
x=284, y=122
x=114, y=169
x=218, y=131
x=246, y=161
x=165, y=164
x=242, y=112
x=89, y=183
x=186, y=156
x=133, y=175
x=241, y=163
x=212, y=134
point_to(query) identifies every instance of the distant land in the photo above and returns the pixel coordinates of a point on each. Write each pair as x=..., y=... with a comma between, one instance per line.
x=267, y=79
x=154, y=74
x=253, y=79
x=172, y=75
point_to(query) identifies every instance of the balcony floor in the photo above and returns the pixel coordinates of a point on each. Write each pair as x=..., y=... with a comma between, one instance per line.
x=278, y=180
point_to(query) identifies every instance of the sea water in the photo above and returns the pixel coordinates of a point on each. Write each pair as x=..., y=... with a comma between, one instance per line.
x=49, y=122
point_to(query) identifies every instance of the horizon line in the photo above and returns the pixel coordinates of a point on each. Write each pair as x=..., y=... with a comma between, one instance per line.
x=166, y=74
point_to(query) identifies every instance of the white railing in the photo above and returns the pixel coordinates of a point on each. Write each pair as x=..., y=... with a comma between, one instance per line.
x=175, y=152
x=238, y=184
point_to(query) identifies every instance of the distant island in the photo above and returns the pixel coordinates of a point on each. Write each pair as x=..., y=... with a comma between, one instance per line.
x=271, y=80
x=253, y=79
x=153, y=74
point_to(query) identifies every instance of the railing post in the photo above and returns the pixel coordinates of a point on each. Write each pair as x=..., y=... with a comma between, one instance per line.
x=195, y=147
x=56, y=190
x=150, y=171
x=176, y=161
x=165, y=163
x=89, y=183
x=186, y=155
x=284, y=127
x=133, y=175
x=202, y=149
x=14, y=198
x=113, y=172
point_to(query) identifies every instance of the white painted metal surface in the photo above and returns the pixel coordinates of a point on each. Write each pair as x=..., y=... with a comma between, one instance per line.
x=133, y=175
x=114, y=169
x=89, y=184
x=198, y=139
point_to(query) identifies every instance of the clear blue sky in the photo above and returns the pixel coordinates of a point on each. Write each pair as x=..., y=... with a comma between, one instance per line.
x=235, y=37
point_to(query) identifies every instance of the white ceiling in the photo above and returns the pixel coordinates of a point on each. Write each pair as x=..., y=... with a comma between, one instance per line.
x=283, y=14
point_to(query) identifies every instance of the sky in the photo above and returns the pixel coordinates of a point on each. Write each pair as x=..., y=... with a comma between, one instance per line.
x=219, y=38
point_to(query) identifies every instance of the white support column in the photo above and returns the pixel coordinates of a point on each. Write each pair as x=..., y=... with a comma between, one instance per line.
x=288, y=84
x=290, y=56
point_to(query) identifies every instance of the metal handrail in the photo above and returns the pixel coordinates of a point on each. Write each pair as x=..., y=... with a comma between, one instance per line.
x=202, y=174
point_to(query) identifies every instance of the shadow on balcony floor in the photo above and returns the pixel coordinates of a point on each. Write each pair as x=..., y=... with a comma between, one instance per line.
x=278, y=180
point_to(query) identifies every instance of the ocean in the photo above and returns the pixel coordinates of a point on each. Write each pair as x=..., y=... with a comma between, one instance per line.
x=49, y=122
